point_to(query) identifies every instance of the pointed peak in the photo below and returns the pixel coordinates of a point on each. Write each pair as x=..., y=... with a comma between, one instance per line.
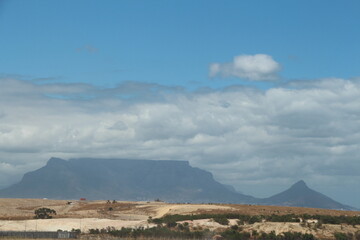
x=299, y=184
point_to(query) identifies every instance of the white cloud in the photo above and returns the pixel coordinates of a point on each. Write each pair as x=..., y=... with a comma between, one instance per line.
x=252, y=139
x=258, y=67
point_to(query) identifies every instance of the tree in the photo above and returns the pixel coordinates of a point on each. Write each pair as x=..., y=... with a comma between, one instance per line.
x=44, y=213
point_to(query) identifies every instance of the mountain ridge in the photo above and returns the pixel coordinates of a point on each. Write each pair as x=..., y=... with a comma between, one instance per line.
x=123, y=179
x=129, y=179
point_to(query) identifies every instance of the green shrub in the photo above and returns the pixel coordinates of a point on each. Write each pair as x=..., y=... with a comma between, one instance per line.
x=44, y=213
x=323, y=219
x=235, y=235
x=342, y=236
x=221, y=220
x=171, y=224
x=235, y=227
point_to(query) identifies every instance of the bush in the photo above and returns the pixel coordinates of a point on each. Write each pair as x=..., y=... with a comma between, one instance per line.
x=235, y=227
x=171, y=224
x=323, y=219
x=44, y=213
x=342, y=236
x=221, y=220
x=78, y=231
x=156, y=232
x=94, y=231
x=235, y=235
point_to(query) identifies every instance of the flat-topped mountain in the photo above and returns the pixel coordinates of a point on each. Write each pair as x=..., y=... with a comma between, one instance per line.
x=301, y=195
x=173, y=181
x=137, y=180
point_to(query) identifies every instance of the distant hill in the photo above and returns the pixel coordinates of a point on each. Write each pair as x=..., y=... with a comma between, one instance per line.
x=144, y=180
x=173, y=181
x=300, y=195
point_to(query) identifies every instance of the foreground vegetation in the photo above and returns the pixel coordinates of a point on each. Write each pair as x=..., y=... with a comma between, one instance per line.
x=169, y=228
x=325, y=219
x=182, y=232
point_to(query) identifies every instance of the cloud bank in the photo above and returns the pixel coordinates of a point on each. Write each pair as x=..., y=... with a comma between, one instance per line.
x=255, y=140
x=258, y=67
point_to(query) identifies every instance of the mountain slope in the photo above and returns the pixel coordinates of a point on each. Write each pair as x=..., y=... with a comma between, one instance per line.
x=173, y=181
x=301, y=195
x=124, y=179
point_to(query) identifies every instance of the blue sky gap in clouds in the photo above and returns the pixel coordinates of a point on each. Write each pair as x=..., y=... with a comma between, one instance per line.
x=261, y=93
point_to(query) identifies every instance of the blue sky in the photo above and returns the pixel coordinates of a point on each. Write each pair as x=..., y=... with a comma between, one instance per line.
x=260, y=93
x=173, y=42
